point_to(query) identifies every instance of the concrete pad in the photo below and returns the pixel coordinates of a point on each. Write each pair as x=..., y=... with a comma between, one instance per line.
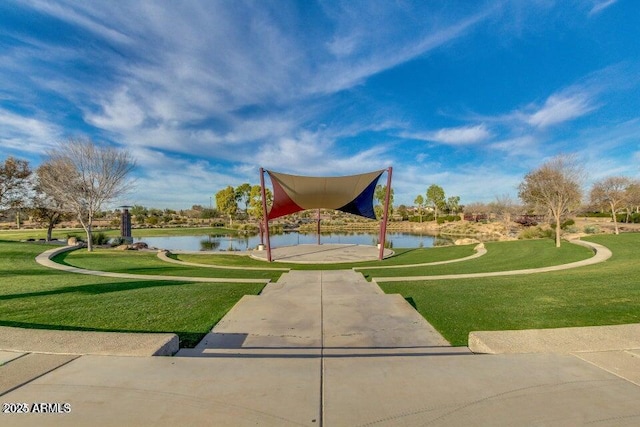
x=7, y=356
x=375, y=321
x=625, y=364
x=125, y=391
x=558, y=340
x=322, y=254
x=272, y=322
x=506, y=390
x=20, y=371
x=84, y=342
x=347, y=282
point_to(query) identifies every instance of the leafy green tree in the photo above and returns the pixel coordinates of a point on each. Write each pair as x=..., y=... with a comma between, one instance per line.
x=255, y=201
x=226, y=202
x=435, y=198
x=403, y=212
x=243, y=194
x=453, y=204
x=380, y=194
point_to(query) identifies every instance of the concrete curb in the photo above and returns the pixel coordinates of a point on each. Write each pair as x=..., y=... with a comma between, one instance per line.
x=163, y=255
x=602, y=254
x=480, y=251
x=44, y=259
x=88, y=342
x=557, y=340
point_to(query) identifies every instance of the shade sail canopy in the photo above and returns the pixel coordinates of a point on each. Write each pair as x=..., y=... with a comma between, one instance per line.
x=352, y=194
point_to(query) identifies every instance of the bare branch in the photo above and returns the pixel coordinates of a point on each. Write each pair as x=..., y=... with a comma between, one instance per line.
x=83, y=176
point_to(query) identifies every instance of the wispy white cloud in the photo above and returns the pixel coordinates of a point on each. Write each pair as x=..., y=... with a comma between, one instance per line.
x=26, y=134
x=361, y=55
x=600, y=5
x=463, y=135
x=559, y=108
x=527, y=146
x=68, y=14
x=313, y=154
x=210, y=90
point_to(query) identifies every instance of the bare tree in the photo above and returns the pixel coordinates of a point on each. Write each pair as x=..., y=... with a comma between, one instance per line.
x=83, y=176
x=633, y=198
x=612, y=192
x=14, y=180
x=504, y=207
x=45, y=208
x=554, y=187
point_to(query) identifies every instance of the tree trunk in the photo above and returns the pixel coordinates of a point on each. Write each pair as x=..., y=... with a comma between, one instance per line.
x=557, y=230
x=49, y=231
x=615, y=220
x=89, y=238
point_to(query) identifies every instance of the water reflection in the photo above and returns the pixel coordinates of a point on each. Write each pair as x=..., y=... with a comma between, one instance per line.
x=217, y=242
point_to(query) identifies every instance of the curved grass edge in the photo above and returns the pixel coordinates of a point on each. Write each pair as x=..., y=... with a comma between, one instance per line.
x=601, y=254
x=45, y=259
x=164, y=256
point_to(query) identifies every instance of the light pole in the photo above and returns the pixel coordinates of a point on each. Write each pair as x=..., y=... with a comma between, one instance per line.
x=210, y=209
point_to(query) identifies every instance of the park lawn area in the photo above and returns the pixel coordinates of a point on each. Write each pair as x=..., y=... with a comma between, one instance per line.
x=63, y=233
x=500, y=256
x=602, y=294
x=147, y=262
x=33, y=296
x=401, y=256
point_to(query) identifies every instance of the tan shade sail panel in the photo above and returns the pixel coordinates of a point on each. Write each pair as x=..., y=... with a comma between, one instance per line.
x=353, y=193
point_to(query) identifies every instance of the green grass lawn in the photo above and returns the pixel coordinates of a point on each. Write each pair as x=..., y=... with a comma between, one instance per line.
x=401, y=257
x=32, y=296
x=500, y=256
x=136, y=232
x=601, y=294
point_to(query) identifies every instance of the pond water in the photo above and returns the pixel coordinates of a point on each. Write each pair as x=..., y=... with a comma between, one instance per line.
x=243, y=243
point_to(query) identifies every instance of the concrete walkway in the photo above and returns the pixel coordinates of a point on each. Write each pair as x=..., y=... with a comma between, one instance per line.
x=321, y=349
x=329, y=253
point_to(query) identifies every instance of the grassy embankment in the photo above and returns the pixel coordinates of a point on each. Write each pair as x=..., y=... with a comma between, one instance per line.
x=607, y=293
x=601, y=294
x=32, y=296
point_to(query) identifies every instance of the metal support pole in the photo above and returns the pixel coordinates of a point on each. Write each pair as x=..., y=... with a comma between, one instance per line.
x=385, y=215
x=318, y=226
x=264, y=213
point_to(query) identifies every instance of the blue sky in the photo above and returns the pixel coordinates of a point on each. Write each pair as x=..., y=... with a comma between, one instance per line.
x=469, y=95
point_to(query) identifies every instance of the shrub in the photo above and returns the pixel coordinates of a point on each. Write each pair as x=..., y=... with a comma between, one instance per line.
x=633, y=218
x=117, y=241
x=99, y=238
x=536, y=233
x=591, y=229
